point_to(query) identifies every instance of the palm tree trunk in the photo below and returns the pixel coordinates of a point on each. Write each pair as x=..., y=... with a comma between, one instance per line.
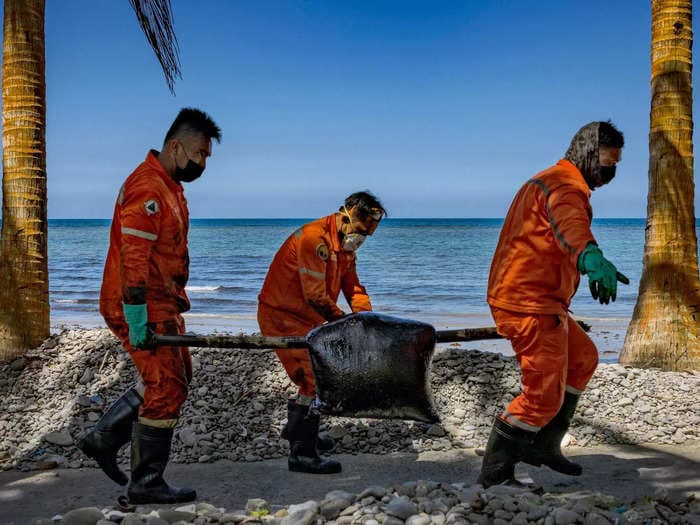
x=24, y=283
x=664, y=331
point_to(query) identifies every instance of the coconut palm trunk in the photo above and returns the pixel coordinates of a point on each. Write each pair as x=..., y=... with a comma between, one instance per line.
x=24, y=283
x=24, y=276
x=664, y=331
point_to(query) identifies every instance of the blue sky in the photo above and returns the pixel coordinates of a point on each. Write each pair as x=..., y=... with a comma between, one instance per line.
x=443, y=109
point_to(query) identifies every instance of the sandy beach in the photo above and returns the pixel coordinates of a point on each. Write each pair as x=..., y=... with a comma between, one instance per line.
x=235, y=412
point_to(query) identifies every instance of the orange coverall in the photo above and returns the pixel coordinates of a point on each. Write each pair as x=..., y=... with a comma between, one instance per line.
x=148, y=261
x=532, y=280
x=305, y=278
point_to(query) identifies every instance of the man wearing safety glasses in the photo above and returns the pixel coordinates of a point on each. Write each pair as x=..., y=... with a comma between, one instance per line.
x=300, y=292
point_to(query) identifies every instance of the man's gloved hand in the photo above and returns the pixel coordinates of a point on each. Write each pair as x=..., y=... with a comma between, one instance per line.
x=140, y=336
x=602, y=274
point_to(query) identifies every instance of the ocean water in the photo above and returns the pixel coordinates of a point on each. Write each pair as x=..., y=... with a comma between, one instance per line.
x=432, y=270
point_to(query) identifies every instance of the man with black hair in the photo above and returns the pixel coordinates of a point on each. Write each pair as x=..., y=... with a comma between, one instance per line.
x=300, y=292
x=545, y=244
x=143, y=292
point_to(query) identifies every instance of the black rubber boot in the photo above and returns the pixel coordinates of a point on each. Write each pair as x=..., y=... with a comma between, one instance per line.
x=506, y=446
x=112, y=432
x=303, y=454
x=295, y=415
x=150, y=450
x=547, y=444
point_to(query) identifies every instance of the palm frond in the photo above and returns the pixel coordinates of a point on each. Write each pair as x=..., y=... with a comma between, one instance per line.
x=156, y=21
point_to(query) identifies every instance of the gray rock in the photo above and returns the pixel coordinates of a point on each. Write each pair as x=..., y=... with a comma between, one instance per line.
x=563, y=516
x=18, y=364
x=61, y=438
x=331, y=507
x=352, y=509
x=407, y=489
x=537, y=512
x=113, y=515
x=593, y=518
x=374, y=491
x=479, y=519
x=171, y=515
x=309, y=505
x=419, y=519
x=401, y=507
x=302, y=517
x=187, y=436
x=436, y=430
x=257, y=505
x=82, y=516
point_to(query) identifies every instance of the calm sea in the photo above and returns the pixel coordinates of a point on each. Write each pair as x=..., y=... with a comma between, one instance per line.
x=433, y=270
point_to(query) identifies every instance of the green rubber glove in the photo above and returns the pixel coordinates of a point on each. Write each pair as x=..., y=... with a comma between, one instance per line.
x=136, y=316
x=602, y=274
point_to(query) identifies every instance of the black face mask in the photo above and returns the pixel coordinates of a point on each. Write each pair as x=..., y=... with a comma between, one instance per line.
x=607, y=173
x=190, y=172
x=600, y=176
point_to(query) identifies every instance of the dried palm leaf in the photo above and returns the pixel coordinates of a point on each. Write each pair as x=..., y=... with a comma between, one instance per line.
x=156, y=20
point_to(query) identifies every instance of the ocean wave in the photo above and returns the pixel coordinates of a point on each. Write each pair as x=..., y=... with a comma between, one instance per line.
x=196, y=289
x=73, y=291
x=93, y=301
x=216, y=301
x=244, y=317
x=219, y=288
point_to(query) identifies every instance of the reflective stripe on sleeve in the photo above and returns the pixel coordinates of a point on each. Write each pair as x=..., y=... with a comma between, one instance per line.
x=317, y=275
x=138, y=233
x=555, y=227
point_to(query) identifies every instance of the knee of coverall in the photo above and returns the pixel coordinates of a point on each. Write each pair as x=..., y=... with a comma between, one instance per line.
x=176, y=326
x=165, y=372
x=583, y=358
x=540, y=345
x=165, y=384
x=297, y=363
x=548, y=367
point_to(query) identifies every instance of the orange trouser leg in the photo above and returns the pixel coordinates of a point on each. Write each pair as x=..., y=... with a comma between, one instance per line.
x=583, y=358
x=540, y=345
x=296, y=362
x=165, y=372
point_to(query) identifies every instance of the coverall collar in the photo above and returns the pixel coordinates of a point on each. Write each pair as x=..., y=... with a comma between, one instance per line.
x=153, y=162
x=575, y=174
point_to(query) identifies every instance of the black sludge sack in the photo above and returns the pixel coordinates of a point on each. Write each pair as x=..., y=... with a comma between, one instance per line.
x=373, y=365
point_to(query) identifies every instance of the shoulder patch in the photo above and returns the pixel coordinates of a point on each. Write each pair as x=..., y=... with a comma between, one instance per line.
x=322, y=251
x=151, y=207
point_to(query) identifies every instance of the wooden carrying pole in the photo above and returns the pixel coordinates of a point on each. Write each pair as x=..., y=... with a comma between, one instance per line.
x=260, y=341
x=269, y=342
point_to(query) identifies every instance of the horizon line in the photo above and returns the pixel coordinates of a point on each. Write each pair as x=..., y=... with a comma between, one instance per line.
x=314, y=218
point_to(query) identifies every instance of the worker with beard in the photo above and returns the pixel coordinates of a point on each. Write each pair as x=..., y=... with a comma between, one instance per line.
x=300, y=292
x=143, y=292
x=545, y=245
